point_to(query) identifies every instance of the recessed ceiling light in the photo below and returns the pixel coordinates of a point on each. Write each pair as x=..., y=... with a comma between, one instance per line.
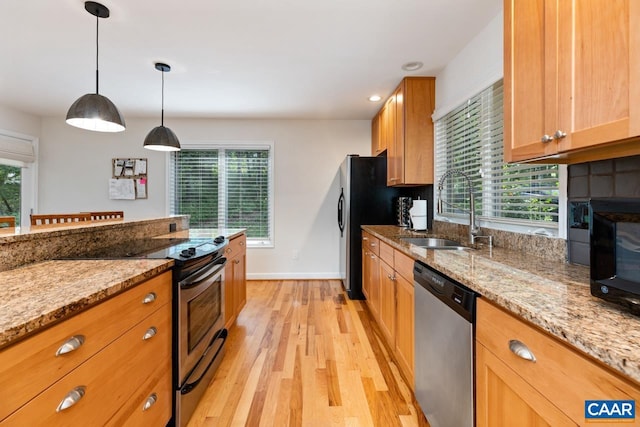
x=375, y=98
x=412, y=66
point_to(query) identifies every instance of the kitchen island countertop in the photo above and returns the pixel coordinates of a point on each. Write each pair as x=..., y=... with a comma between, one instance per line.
x=39, y=295
x=552, y=295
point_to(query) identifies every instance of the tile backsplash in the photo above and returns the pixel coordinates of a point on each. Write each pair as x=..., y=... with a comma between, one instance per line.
x=604, y=178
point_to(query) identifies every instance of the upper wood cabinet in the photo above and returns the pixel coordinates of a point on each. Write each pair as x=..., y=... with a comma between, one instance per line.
x=571, y=79
x=405, y=130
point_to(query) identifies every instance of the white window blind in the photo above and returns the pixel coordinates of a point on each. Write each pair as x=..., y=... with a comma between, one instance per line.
x=225, y=187
x=469, y=139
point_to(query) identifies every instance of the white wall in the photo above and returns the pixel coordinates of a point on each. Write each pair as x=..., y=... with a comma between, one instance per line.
x=75, y=166
x=478, y=65
x=19, y=122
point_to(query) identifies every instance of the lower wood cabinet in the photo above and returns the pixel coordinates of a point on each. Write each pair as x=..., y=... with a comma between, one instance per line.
x=110, y=365
x=525, y=377
x=388, y=287
x=235, y=278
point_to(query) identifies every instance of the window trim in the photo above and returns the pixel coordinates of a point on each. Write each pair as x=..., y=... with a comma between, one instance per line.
x=234, y=145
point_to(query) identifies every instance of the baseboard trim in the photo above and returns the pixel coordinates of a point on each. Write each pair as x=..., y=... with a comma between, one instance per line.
x=293, y=276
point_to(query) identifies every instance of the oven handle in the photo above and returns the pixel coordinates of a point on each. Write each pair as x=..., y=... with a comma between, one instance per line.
x=200, y=276
x=190, y=385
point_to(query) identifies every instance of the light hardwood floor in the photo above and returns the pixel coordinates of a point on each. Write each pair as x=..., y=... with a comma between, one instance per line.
x=303, y=354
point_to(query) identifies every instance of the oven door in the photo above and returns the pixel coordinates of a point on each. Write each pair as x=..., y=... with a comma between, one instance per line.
x=201, y=316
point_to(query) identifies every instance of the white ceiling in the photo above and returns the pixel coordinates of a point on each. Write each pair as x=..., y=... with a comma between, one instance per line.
x=229, y=59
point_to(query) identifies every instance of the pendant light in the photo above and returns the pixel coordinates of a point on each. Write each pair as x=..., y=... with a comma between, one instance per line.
x=162, y=138
x=94, y=111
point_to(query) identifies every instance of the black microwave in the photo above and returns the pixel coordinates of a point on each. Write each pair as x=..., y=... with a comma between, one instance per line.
x=615, y=251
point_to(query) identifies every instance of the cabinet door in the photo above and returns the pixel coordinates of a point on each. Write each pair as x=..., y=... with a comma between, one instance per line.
x=377, y=141
x=374, y=282
x=405, y=326
x=229, y=295
x=387, y=302
x=366, y=280
x=416, y=103
x=599, y=72
x=239, y=283
x=504, y=399
x=393, y=150
x=530, y=98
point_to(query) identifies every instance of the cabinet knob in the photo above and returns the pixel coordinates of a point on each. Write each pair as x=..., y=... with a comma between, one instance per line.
x=228, y=250
x=149, y=298
x=72, y=344
x=559, y=134
x=237, y=261
x=521, y=350
x=241, y=243
x=546, y=138
x=71, y=398
x=151, y=400
x=151, y=332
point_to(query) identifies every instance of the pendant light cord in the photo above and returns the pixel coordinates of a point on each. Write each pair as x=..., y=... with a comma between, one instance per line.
x=162, y=114
x=97, y=47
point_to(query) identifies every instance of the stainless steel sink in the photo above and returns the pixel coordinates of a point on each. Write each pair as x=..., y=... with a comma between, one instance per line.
x=432, y=243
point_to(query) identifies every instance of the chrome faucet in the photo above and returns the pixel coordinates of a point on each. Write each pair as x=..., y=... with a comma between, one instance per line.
x=473, y=228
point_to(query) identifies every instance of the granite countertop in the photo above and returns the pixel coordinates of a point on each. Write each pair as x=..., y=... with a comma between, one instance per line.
x=39, y=295
x=552, y=295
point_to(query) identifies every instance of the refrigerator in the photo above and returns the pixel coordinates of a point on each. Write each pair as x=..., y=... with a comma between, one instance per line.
x=364, y=199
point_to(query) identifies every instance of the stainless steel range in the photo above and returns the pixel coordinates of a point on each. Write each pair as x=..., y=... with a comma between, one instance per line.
x=198, y=309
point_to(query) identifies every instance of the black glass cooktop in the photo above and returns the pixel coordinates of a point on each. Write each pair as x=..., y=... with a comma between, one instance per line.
x=157, y=248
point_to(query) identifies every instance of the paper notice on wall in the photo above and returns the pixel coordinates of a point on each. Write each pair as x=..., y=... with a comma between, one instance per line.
x=141, y=188
x=141, y=167
x=122, y=189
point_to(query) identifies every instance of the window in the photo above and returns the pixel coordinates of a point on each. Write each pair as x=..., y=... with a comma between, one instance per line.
x=225, y=187
x=469, y=139
x=17, y=175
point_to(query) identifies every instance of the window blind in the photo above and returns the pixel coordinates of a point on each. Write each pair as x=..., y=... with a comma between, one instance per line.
x=469, y=139
x=224, y=188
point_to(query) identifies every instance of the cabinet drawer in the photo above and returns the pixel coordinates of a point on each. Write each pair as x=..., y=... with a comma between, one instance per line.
x=31, y=365
x=151, y=404
x=386, y=254
x=559, y=373
x=110, y=378
x=236, y=246
x=403, y=265
x=370, y=243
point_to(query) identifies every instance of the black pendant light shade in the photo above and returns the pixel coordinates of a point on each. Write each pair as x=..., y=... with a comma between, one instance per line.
x=162, y=138
x=94, y=111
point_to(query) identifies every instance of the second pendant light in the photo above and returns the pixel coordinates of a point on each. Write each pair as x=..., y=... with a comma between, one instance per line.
x=162, y=138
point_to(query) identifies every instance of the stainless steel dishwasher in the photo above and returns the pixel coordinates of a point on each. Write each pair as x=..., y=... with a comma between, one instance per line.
x=444, y=335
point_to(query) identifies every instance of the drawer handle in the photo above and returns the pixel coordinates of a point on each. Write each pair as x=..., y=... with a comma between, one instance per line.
x=149, y=298
x=151, y=400
x=151, y=332
x=71, y=398
x=521, y=350
x=546, y=138
x=72, y=344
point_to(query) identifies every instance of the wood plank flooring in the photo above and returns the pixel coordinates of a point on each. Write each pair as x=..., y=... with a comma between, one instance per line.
x=303, y=354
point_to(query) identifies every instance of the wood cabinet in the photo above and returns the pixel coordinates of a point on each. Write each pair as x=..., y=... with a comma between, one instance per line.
x=378, y=141
x=546, y=384
x=571, y=80
x=112, y=360
x=388, y=286
x=371, y=272
x=235, y=278
x=406, y=131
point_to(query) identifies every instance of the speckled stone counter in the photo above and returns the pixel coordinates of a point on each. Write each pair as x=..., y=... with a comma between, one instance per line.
x=41, y=294
x=552, y=295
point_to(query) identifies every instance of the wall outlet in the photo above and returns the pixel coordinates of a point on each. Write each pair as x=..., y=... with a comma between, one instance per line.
x=172, y=227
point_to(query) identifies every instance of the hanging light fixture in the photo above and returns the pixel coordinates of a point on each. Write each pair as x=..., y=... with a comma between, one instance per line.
x=94, y=111
x=162, y=138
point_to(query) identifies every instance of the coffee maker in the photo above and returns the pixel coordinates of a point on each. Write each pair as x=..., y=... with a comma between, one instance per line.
x=403, y=204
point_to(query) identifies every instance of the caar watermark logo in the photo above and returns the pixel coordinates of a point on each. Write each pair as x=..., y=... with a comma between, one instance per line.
x=610, y=410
